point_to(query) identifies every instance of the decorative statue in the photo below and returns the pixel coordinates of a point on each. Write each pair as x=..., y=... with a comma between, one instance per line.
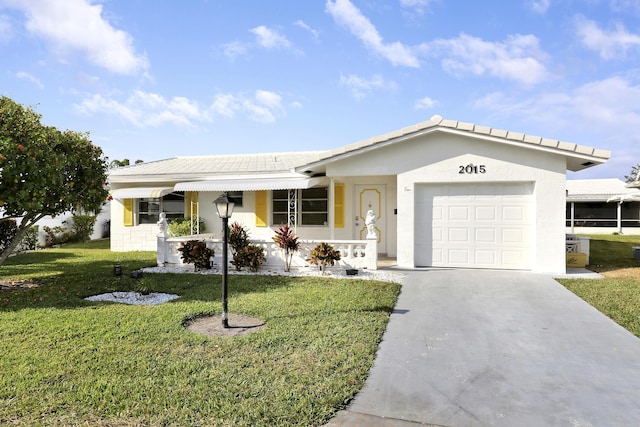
x=164, y=226
x=370, y=222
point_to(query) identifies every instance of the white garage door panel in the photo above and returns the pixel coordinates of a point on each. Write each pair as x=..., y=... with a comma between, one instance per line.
x=474, y=225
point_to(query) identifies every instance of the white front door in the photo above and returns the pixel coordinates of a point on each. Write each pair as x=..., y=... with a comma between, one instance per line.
x=371, y=197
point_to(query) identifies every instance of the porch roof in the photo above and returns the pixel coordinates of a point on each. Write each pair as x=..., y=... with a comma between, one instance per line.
x=140, y=192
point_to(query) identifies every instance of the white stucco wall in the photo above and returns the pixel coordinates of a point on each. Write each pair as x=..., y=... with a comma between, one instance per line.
x=435, y=158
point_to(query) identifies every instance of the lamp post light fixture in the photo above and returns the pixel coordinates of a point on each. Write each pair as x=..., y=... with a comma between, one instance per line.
x=224, y=207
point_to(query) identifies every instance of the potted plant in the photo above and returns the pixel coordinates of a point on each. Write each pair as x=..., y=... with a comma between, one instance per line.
x=286, y=240
x=324, y=254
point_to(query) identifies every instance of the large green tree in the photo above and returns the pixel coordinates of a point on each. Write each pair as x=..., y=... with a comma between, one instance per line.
x=45, y=171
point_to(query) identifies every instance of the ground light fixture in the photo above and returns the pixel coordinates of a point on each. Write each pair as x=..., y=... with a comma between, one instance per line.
x=224, y=207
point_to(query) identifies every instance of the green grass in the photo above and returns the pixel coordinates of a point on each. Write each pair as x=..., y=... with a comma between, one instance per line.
x=618, y=294
x=67, y=361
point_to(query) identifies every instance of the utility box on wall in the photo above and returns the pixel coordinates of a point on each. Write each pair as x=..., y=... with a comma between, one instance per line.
x=576, y=260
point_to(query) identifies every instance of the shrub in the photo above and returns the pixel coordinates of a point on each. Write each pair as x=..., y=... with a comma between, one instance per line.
x=251, y=256
x=182, y=227
x=244, y=253
x=57, y=235
x=82, y=227
x=8, y=230
x=197, y=253
x=286, y=240
x=324, y=254
x=29, y=241
x=238, y=237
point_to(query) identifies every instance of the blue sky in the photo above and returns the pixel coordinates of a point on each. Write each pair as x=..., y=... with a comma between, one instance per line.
x=155, y=79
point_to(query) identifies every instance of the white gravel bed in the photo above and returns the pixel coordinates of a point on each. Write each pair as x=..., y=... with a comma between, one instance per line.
x=135, y=298
x=382, y=275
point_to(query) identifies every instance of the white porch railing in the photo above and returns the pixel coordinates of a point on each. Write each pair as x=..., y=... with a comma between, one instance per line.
x=355, y=254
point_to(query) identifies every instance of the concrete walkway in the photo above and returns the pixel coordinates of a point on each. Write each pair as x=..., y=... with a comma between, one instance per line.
x=494, y=348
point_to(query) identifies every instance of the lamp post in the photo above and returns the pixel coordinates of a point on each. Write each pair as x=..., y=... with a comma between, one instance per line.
x=224, y=207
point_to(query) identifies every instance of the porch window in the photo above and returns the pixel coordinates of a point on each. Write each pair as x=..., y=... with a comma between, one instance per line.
x=149, y=208
x=602, y=214
x=307, y=206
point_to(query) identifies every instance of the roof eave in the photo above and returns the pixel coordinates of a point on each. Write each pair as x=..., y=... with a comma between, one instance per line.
x=578, y=157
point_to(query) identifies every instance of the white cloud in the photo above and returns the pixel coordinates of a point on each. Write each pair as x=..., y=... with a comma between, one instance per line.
x=608, y=105
x=78, y=26
x=345, y=13
x=235, y=49
x=418, y=6
x=6, y=28
x=146, y=109
x=361, y=87
x=539, y=6
x=425, y=103
x=224, y=105
x=270, y=38
x=518, y=58
x=609, y=44
x=625, y=5
x=28, y=77
x=314, y=33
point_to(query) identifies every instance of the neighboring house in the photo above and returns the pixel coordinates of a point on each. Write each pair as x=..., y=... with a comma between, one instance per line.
x=446, y=194
x=602, y=206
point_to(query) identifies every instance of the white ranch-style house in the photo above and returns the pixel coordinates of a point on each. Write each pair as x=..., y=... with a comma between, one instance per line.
x=445, y=194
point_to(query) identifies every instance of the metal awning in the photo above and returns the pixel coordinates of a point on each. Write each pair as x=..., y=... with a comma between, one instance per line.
x=249, y=184
x=140, y=192
x=629, y=197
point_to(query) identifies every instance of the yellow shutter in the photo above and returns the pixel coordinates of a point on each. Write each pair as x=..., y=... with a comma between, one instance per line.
x=191, y=197
x=261, y=208
x=338, y=205
x=128, y=212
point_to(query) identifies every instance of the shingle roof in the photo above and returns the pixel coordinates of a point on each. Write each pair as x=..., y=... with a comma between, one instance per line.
x=438, y=123
x=199, y=167
x=202, y=166
x=596, y=189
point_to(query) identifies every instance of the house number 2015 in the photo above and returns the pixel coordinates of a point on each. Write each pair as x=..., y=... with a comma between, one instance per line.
x=472, y=169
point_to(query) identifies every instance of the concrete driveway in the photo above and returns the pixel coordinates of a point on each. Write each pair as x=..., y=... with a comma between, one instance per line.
x=495, y=348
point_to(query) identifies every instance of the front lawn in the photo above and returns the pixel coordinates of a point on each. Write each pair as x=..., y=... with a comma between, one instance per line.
x=618, y=294
x=67, y=361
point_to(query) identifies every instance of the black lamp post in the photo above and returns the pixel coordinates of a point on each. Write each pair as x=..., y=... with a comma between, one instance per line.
x=224, y=206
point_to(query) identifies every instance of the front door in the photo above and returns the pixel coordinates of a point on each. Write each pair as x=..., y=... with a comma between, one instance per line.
x=371, y=197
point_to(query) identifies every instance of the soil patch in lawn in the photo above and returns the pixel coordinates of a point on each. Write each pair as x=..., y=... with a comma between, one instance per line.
x=8, y=285
x=238, y=325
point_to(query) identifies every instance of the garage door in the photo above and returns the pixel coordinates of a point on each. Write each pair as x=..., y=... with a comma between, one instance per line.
x=474, y=226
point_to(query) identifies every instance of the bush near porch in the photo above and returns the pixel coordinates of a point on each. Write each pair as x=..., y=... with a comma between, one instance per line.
x=618, y=294
x=67, y=361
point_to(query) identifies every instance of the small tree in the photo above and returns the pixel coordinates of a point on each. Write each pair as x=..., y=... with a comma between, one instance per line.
x=44, y=171
x=288, y=242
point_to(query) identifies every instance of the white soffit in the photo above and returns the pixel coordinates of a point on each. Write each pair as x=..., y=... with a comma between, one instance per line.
x=253, y=184
x=141, y=192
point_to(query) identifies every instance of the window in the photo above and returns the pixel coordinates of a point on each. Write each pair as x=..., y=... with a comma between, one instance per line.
x=311, y=206
x=237, y=197
x=149, y=209
x=601, y=214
